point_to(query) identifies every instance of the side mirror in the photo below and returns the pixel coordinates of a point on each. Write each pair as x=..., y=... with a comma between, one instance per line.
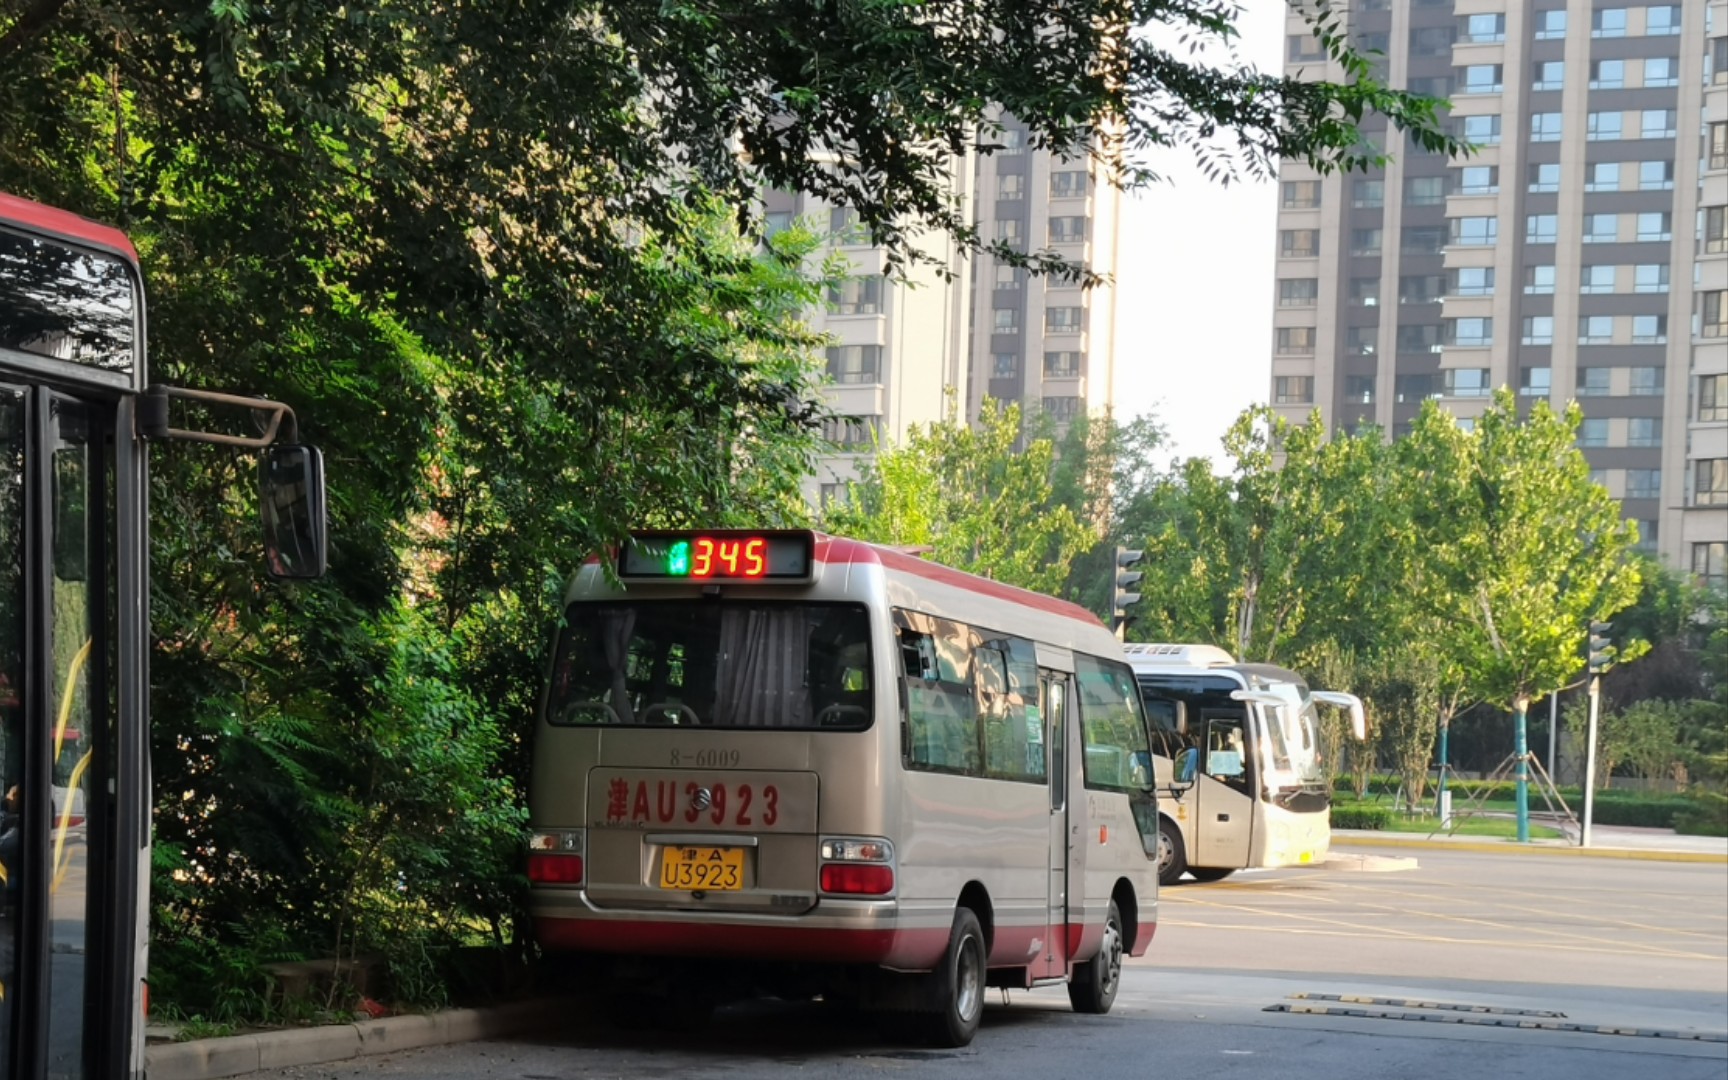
x=1358, y=719
x=291, y=501
x=1187, y=765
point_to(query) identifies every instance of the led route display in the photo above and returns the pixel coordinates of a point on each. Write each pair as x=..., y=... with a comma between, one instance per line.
x=717, y=556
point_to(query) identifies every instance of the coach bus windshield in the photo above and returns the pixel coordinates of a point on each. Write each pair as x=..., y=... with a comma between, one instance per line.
x=714, y=664
x=66, y=304
x=1292, y=745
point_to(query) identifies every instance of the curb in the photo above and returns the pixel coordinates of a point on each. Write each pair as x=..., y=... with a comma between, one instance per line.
x=237, y=1055
x=1514, y=848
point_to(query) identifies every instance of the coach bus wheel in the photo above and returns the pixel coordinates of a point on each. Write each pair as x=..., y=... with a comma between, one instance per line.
x=1093, y=987
x=959, y=984
x=1210, y=873
x=1172, y=860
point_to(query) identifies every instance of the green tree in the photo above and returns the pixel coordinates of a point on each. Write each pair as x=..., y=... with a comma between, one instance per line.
x=1402, y=691
x=968, y=495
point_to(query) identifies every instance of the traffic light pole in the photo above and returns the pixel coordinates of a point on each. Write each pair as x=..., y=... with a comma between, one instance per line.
x=1519, y=709
x=1590, y=761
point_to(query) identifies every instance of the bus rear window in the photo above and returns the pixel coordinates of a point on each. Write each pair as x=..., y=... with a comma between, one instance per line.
x=714, y=664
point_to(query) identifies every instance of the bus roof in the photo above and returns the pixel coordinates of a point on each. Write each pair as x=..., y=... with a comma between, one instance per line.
x=1146, y=655
x=65, y=225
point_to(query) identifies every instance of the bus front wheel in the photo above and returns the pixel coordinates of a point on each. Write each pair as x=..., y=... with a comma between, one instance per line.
x=959, y=985
x=1093, y=987
x=1172, y=859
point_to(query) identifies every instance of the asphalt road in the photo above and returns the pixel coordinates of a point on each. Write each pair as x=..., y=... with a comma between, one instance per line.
x=1472, y=964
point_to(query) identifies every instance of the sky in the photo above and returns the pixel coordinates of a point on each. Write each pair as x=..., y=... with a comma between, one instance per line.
x=1195, y=280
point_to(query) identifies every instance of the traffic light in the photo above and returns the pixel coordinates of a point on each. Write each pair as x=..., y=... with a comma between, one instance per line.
x=1601, y=652
x=1122, y=597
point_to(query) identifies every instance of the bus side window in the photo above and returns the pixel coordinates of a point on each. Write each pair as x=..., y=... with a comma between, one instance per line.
x=941, y=722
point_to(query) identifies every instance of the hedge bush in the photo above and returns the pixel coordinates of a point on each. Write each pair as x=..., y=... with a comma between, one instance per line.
x=1360, y=817
x=1697, y=813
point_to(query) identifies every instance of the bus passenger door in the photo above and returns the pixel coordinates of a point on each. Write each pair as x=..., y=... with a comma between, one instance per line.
x=1053, y=687
x=1223, y=793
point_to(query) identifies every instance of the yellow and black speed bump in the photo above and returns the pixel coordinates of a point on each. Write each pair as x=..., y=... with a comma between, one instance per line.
x=1476, y=1015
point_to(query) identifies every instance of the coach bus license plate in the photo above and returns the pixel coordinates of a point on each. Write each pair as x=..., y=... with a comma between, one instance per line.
x=713, y=869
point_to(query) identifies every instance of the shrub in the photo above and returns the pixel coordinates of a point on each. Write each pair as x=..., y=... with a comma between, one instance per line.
x=1706, y=816
x=1360, y=817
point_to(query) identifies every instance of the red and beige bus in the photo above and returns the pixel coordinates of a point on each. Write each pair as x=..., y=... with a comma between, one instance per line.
x=783, y=763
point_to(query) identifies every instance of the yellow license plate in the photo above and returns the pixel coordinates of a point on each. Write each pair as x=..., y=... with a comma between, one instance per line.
x=711, y=869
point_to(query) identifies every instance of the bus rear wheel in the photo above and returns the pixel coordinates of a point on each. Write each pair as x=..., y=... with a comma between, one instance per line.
x=958, y=985
x=1210, y=873
x=1093, y=987
x=1172, y=858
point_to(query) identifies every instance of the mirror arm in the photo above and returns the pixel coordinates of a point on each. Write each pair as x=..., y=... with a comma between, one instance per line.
x=153, y=420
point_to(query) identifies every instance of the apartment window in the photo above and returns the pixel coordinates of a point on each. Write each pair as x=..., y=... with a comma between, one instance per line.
x=1435, y=86
x=1004, y=365
x=1365, y=291
x=1538, y=330
x=1710, y=482
x=1594, y=330
x=1715, y=229
x=1712, y=398
x=1365, y=241
x=1299, y=243
x=1608, y=23
x=1359, y=389
x=1424, y=338
x=1472, y=332
x=1482, y=29
x=1476, y=180
x=1535, y=381
x=1481, y=130
x=1293, y=390
x=1717, y=59
x=1412, y=388
x=1431, y=41
x=1298, y=292
x=1644, y=431
x=1596, y=278
x=1071, y=183
x=1601, y=228
x=1643, y=483
x=1662, y=71
x=1010, y=187
x=1465, y=382
x=1062, y=409
x=775, y=222
x=1304, y=48
x=843, y=225
x=854, y=364
x=1647, y=382
x=1541, y=228
x=1710, y=564
x=852, y=432
x=1550, y=75
x=1005, y=321
x=1603, y=176
x=1472, y=281
x=1550, y=24
x=1649, y=329
x=1657, y=124
x=1603, y=125
x=1718, y=145
x=1293, y=194
x=1662, y=21
x=1545, y=127
x=1008, y=230
x=856, y=296
x=1423, y=240
x=1009, y=277
x=1650, y=278
x=1655, y=176
x=833, y=495
x=1063, y=319
x=1538, y=280
x=1655, y=226
x=1373, y=42
x=1368, y=194
x=1425, y=191
x=1646, y=535
x=1607, y=74
x=1713, y=322
x=1475, y=231
x=1421, y=288
x=1544, y=178
x=1067, y=230
x=1295, y=341
x=1593, y=432
x=1361, y=340
x=1481, y=79
x=1010, y=141
x=1064, y=364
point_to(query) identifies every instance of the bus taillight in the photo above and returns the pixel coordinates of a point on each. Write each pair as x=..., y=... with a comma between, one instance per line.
x=857, y=867
x=555, y=857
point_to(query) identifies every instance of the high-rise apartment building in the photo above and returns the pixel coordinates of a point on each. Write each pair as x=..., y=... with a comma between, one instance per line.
x=1579, y=253
x=968, y=326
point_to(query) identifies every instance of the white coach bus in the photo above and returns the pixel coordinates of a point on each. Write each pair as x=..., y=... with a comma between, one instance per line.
x=791, y=764
x=1260, y=796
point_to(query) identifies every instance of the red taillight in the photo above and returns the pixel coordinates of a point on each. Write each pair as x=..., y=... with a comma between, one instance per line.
x=859, y=879
x=555, y=869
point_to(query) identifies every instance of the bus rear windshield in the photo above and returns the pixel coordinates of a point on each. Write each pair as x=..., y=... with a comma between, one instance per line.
x=714, y=664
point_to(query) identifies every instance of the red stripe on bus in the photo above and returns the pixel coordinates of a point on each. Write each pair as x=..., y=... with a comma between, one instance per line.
x=62, y=223
x=837, y=550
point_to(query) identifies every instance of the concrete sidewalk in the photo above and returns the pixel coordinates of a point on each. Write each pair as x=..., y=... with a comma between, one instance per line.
x=1606, y=841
